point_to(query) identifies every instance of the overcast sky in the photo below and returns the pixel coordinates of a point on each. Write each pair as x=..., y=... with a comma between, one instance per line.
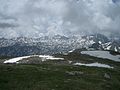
x=36, y=18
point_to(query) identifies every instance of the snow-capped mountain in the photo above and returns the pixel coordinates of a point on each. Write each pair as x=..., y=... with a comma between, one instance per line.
x=114, y=46
x=55, y=44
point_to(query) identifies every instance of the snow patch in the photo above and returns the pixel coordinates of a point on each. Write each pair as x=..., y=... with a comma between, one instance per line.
x=72, y=51
x=70, y=62
x=53, y=58
x=108, y=48
x=15, y=60
x=100, y=42
x=93, y=65
x=102, y=54
x=116, y=49
x=44, y=58
x=92, y=42
x=47, y=57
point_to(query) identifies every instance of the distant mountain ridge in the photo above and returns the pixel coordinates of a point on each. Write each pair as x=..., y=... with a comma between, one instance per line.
x=22, y=46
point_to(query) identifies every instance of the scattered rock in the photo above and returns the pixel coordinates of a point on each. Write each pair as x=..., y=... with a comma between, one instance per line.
x=69, y=62
x=52, y=89
x=107, y=76
x=72, y=73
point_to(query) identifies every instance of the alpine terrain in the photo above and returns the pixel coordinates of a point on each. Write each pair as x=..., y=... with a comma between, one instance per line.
x=59, y=44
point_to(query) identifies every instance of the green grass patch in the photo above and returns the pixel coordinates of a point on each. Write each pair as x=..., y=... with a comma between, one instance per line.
x=54, y=77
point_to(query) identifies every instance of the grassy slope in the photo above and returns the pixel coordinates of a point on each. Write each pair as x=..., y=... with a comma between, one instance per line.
x=54, y=77
x=48, y=76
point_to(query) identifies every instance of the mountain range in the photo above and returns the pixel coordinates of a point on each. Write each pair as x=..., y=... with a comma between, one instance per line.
x=22, y=46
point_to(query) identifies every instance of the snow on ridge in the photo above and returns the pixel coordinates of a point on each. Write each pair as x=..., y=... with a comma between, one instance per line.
x=47, y=57
x=15, y=60
x=116, y=49
x=93, y=65
x=72, y=51
x=44, y=58
x=53, y=58
x=108, y=48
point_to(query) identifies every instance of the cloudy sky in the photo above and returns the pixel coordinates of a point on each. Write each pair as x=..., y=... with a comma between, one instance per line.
x=36, y=18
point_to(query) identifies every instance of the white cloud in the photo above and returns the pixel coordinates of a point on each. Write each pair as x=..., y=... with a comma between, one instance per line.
x=48, y=17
